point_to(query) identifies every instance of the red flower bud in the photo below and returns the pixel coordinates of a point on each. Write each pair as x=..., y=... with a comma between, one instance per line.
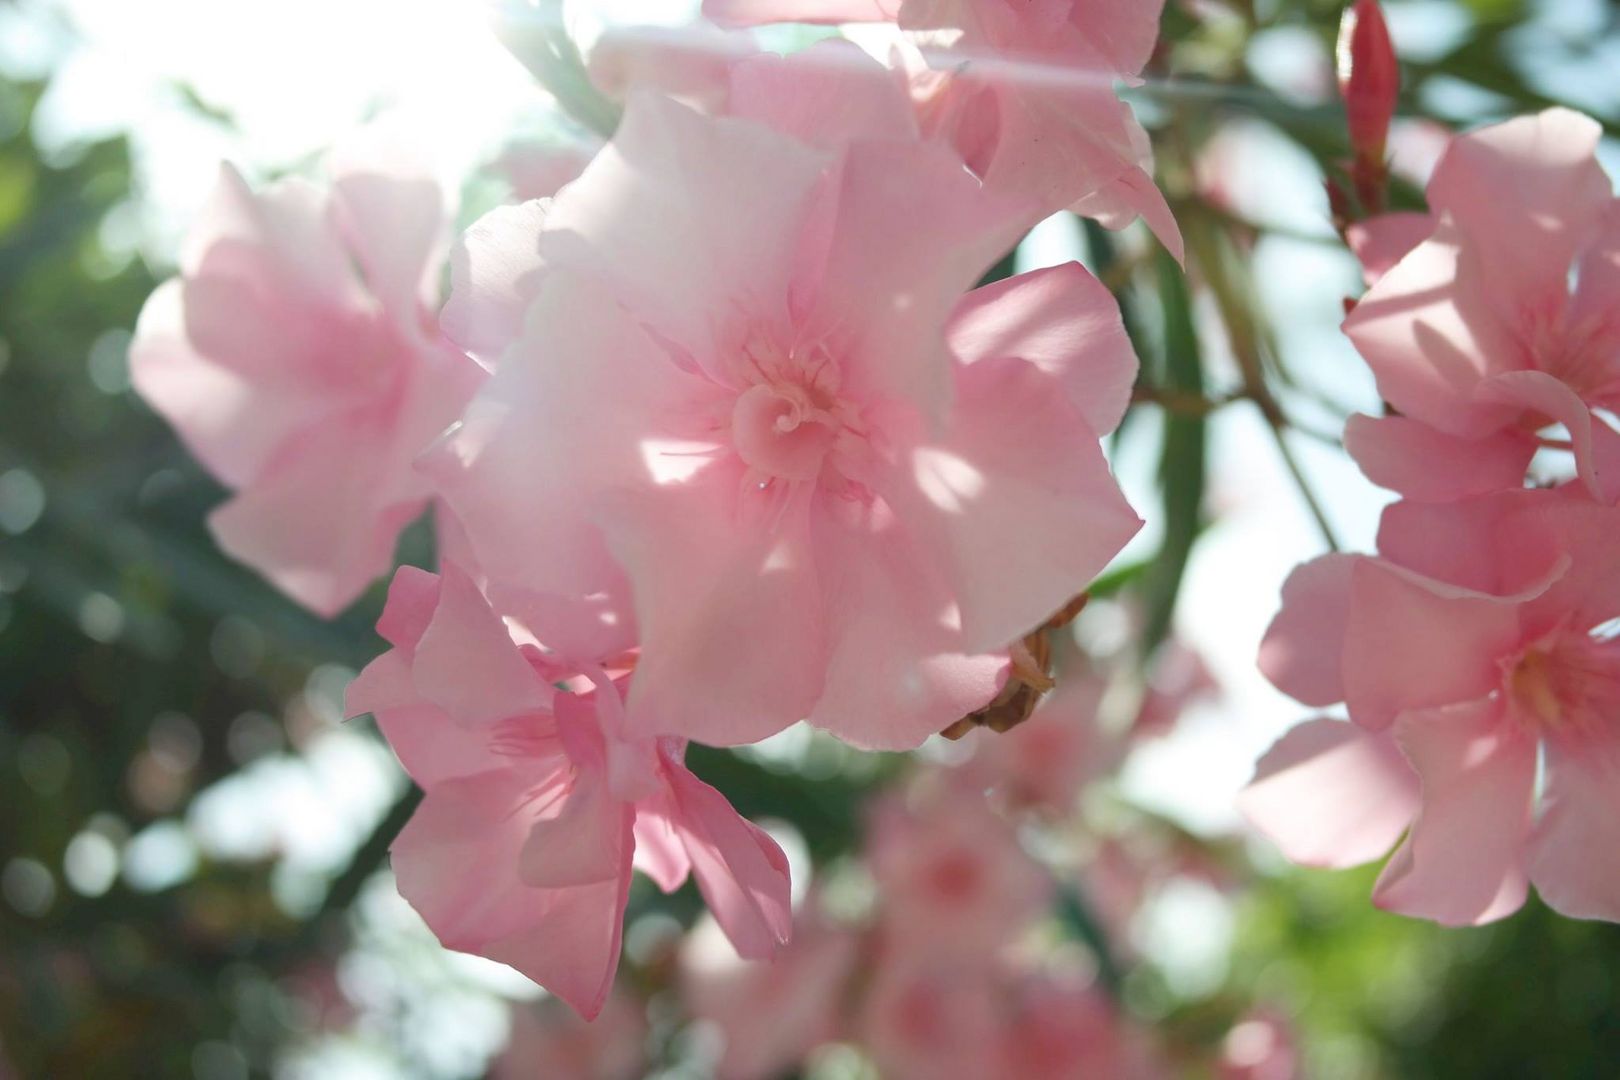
x=1369, y=77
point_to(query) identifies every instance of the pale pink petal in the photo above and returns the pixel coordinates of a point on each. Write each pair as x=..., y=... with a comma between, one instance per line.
x=1431, y=331
x=1548, y=397
x=1018, y=483
x=1133, y=194
x=467, y=663
x=391, y=210
x=1421, y=462
x=900, y=232
x=1587, y=536
x=456, y=861
x=582, y=843
x=230, y=423
x=1124, y=31
x=1463, y=862
x=1597, y=283
x=495, y=273
x=691, y=63
x=659, y=851
x=761, y=12
x=413, y=596
x=826, y=95
x=1443, y=541
x=1065, y=322
x=1382, y=241
x=1331, y=794
x=731, y=615
x=1526, y=194
x=278, y=238
x=741, y=872
x=538, y=170
x=383, y=684
x=1414, y=643
x=576, y=409
x=1077, y=146
x=309, y=525
x=897, y=673
x=1572, y=859
x=1303, y=650
x=686, y=215
x=431, y=746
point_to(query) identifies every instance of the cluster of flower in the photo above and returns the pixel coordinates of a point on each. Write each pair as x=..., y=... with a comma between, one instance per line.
x=1478, y=652
x=934, y=952
x=720, y=438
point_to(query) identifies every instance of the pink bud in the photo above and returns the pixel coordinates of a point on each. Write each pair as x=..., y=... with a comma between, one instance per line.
x=1369, y=77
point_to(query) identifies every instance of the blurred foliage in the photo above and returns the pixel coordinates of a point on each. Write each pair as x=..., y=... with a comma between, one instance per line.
x=138, y=666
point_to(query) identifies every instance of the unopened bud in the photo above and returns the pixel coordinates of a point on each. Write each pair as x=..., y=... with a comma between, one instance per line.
x=1369, y=77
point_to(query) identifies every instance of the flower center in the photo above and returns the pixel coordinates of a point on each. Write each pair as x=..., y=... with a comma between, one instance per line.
x=778, y=430
x=788, y=421
x=1565, y=684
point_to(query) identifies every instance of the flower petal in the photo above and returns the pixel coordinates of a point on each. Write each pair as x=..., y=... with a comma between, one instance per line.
x=741, y=872
x=1421, y=462
x=1572, y=861
x=1331, y=794
x=1065, y=322
x=1303, y=650
x=1464, y=861
x=1018, y=484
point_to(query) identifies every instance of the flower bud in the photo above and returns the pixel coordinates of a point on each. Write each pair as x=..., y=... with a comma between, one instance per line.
x=1369, y=77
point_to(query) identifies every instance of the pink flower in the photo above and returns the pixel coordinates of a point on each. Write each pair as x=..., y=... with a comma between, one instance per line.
x=1477, y=332
x=1261, y=1046
x=1061, y=1029
x=297, y=357
x=554, y=1042
x=536, y=808
x=952, y=874
x=1025, y=92
x=932, y=1018
x=773, y=1014
x=1482, y=641
x=1048, y=760
x=745, y=415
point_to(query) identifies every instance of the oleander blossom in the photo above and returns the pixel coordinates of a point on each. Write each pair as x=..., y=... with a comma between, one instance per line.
x=1478, y=658
x=297, y=355
x=1024, y=90
x=1494, y=316
x=748, y=416
x=771, y=1016
x=536, y=806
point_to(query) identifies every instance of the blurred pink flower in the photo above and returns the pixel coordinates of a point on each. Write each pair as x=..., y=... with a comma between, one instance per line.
x=1026, y=92
x=1045, y=762
x=1061, y=1029
x=1502, y=321
x=536, y=807
x=547, y=1042
x=1260, y=1046
x=771, y=1014
x=1482, y=639
x=931, y=1018
x=953, y=877
x=745, y=413
x=297, y=356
